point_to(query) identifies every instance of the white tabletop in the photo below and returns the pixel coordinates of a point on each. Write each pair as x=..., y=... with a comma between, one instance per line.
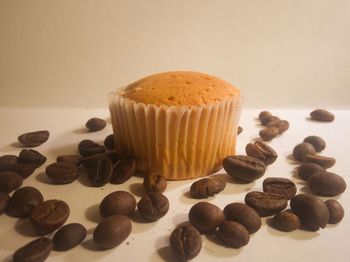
x=149, y=241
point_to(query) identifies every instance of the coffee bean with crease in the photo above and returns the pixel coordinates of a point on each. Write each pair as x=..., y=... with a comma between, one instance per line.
x=280, y=185
x=72, y=159
x=232, y=234
x=32, y=157
x=10, y=181
x=36, y=250
x=269, y=133
x=62, y=172
x=286, y=221
x=323, y=161
x=123, y=170
x=308, y=169
x=322, y=115
x=266, y=203
x=303, y=149
x=99, y=170
x=154, y=183
x=88, y=148
x=262, y=152
x=33, y=139
x=4, y=202
x=153, y=206
x=207, y=187
x=318, y=143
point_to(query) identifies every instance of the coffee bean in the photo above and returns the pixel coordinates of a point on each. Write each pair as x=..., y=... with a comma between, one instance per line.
x=262, y=152
x=322, y=115
x=100, y=171
x=205, y=217
x=280, y=185
x=118, y=203
x=186, y=241
x=6, y=160
x=312, y=212
x=326, y=184
x=323, y=161
x=112, y=231
x=239, y=130
x=49, y=215
x=153, y=206
x=33, y=139
x=37, y=250
x=72, y=159
x=282, y=126
x=95, y=124
x=244, y=215
x=10, y=181
x=109, y=142
x=88, y=148
x=207, y=187
x=308, y=169
x=233, y=234
x=62, y=172
x=23, y=169
x=32, y=157
x=267, y=119
x=154, y=183
x=23, y=201
x=301, y=150
x=68, y=236
x=269, y=133
x=336, y=211
x=264, y=114
x=123, y=170
x=4, y=202
x=266, y=203
x=318, y=143
x=286, y=221
x=244, y=168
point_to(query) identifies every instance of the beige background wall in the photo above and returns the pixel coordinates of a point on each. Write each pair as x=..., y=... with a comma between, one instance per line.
x=281, y=53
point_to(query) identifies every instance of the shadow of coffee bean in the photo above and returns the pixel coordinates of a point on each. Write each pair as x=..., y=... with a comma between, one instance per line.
x=216, y=247
x=137, y=189
x=25, y=227
x=91, y=245
x=291, y=160
x=166, y=254
x=43, y=178
x=93, y=214
x=17, y=145
x=81, y=130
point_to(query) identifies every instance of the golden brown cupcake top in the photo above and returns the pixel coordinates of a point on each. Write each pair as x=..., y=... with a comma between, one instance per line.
x=179, y=88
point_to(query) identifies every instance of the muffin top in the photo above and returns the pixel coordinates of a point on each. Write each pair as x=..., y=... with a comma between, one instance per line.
x=179, y=88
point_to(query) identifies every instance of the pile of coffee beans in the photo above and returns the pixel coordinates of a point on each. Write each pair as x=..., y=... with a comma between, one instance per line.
x=273, y=126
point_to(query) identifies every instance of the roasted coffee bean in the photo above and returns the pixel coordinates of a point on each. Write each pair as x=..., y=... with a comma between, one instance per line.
x=68, y=236
x=37, y=250
x=153, y=206
x=207, y=187
x=326, y=184
x=322, y=115
x=268, y=133
x=62, y=172
x=154, y=183
x=32, y=157
x=267, y=119
x=205, y=217
x=112, y=231
x=23, y=169
x=262, y=152
x=33, y=139
x=123, y=170
x=336, y=211
x=88, y=148
x=6, y=160
x=100, y=171
x=301, y=150
x=4, y=202
x=280, y=185
x=323, y=161
x=49, y=215
x=23, y=201
x=264, y=114
x=244, y=215
x=311, y=210
x=72, y=159
x=186, y=241
x=244, y=168
x=282, y=126
x=96, y=124
x=308, y=169
x=118, y=203
x=233, y=234
x=318, y=143
x=266, y=203
x=239, y=130
x=109, y=142
x=10, y=181
x=286, y=221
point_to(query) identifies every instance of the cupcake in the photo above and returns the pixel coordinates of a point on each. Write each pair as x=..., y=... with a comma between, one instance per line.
x=177, y=124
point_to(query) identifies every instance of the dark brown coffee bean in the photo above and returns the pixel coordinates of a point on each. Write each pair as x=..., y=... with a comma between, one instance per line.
x=32, y=157
x=88, y=148
x=100, y=171
x=244, y=168
x=62, y=172
x=308, y=169
x=118, y=203
x=6, y=160
x=23, y=169
x=239, y=130
x=154, y=183
x=280, y=185
x=323, y=161
x=23, y=201
x=153, y=206
x=336, y=211
x=10, y=181
x=262, y=152
x=33, y=139
x=72, y=159
x=4, y=202
x=109, y=142
x=286, y=221
x=123, y=170
x=95, y=124
x=269, y=133
x=244, y=215
x=68, y=236
x=205, y=217
x=37, y=250
x=301, y=150
x=318, y=143
x=207, y=187
x=112, y=231
x=326, y=184
x=281, y=125
x=233, y=234
x=186, y=241
x=267, y=119
x=311, y=210
x=264, y=114
x=266, y=203
x=49, y=215
x=322, y=115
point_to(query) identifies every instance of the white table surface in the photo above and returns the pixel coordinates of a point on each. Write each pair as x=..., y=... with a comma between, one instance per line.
x=149, y=241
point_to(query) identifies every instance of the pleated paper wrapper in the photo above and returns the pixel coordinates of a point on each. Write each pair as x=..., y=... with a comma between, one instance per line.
x=178, y=142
